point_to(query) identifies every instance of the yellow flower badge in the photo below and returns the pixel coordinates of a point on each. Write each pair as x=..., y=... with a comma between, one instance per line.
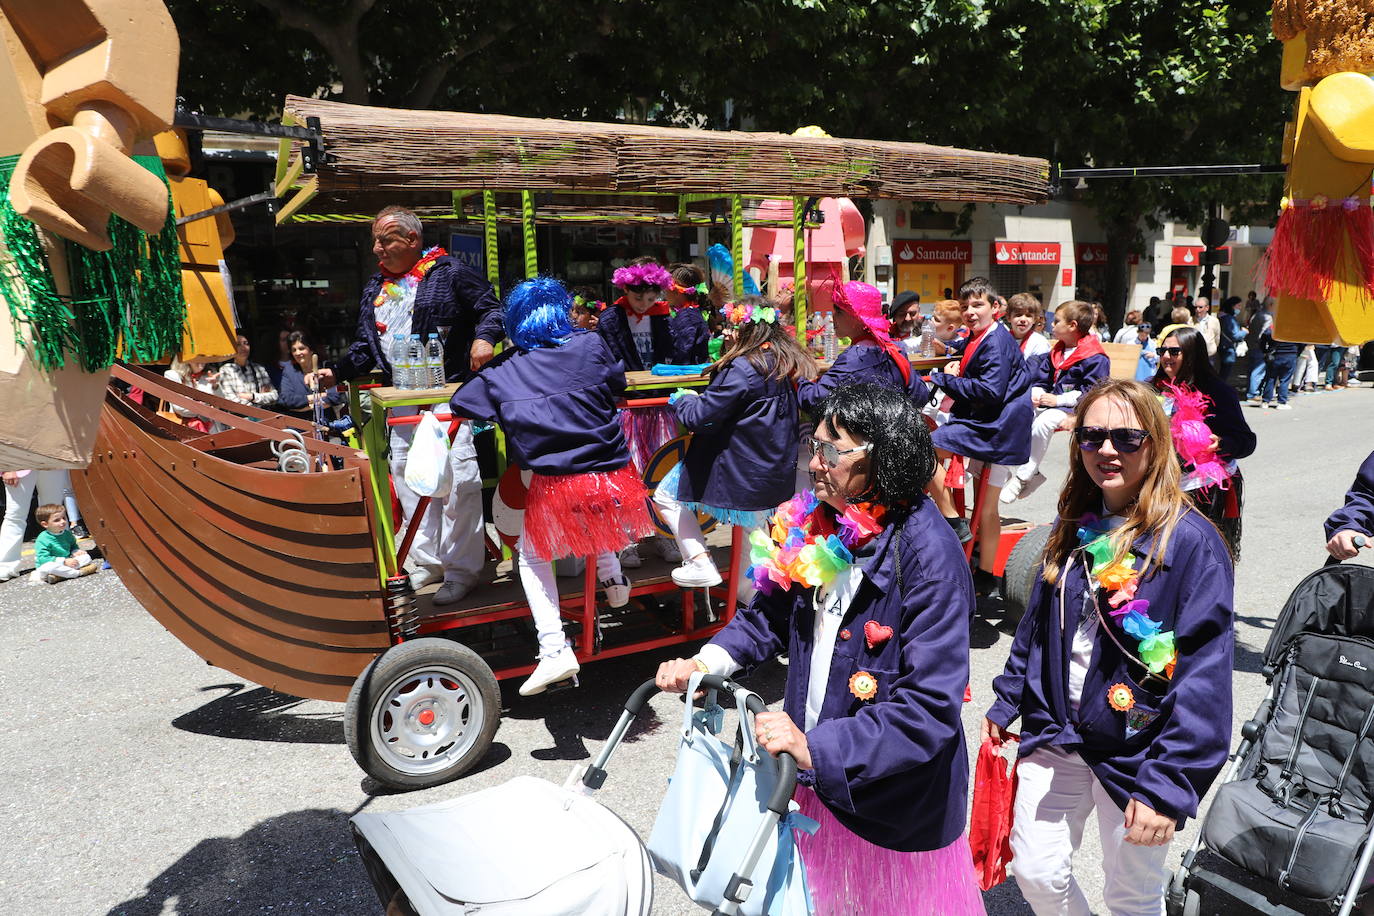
x=1120, y=698
x=863, y=685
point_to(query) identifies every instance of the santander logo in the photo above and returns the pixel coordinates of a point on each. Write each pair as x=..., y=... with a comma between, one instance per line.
x=1025, y=252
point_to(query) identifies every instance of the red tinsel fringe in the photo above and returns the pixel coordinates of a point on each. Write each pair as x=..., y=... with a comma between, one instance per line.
x=582, y=515
x=1309, y=251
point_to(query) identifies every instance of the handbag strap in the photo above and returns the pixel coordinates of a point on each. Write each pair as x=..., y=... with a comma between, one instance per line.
x=689, y=708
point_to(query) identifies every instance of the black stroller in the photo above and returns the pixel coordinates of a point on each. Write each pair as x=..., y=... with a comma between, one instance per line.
x=1289, y=829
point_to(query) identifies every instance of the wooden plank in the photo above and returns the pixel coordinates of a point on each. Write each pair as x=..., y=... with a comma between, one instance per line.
x=1125, y=359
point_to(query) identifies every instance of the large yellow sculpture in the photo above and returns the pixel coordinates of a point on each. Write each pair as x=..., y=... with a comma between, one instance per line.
x=81, y=83
x=1321, y=263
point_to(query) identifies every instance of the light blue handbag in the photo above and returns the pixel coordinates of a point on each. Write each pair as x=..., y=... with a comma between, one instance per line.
x=724, y=832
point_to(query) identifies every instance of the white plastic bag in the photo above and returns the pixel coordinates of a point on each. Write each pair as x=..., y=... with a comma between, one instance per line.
x=427, y=467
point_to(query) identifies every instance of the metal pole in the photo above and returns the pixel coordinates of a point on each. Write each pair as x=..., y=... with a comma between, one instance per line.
x=799, y=267
x=1208, y=270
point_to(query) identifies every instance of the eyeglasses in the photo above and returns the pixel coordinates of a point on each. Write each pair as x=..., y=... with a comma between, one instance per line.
x=829, y=453
x=1124, y=439
x=1170, y=351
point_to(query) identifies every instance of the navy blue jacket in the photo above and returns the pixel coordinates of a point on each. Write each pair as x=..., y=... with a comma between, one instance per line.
x=1079, y=376
x=992, y=414
x=892, y=769
x=1172, y=761
x=858, y=365
x=1358, y=512
x=1224, y=417
x=452, y=294
x=742, y=425
x=294, y=395
x=690, y=337
x=614, y=328
x=556, y=406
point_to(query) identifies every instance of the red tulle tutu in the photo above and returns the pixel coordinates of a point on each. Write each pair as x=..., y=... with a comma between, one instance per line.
x=582, y=515
x=1310, y=251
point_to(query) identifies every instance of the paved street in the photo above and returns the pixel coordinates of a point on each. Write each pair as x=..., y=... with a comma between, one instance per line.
x=140, y=781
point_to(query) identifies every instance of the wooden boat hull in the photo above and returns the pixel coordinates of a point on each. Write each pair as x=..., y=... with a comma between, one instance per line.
x=271, y=576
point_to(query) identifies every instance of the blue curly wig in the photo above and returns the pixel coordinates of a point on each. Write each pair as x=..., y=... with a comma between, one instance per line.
x=537, y=314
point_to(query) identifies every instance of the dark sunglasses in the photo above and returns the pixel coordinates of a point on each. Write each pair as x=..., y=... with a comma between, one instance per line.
x=1124, y=439
x=1170, y=351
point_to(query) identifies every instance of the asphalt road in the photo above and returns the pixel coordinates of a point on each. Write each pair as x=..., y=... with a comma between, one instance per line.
x=138, y=780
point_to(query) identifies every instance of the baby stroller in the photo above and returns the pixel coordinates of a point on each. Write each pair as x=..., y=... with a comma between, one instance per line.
x=1289, y=829
x=531, y=847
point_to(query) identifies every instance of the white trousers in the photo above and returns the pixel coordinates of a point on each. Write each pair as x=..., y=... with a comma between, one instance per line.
x=1043, y=428
x=451, y=534
x=541, y=592
x=1055, y=792
x=682, y=522
x=52, y=487
x=61, y=570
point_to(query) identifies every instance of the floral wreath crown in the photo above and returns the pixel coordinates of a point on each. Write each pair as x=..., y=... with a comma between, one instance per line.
x=738, y=313
x=650, y=274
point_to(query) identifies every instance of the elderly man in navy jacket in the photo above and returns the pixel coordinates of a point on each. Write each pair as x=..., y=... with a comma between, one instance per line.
x=416, y=292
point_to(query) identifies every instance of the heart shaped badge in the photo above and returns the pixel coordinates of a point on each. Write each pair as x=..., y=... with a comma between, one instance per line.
x=875, y=633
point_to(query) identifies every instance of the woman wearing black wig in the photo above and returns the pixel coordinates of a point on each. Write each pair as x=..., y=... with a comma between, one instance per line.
x=1185, y=368
x=878, y=637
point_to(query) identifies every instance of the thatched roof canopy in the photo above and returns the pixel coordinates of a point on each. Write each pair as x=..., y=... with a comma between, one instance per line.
x=420, y=156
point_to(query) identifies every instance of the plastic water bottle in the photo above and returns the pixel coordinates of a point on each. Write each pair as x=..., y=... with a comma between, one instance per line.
x=400, y=362
x=829, y=344
x=928, y=337
x=415, y=362
x=434, y=359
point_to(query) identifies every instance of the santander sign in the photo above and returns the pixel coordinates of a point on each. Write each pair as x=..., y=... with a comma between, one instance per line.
x=928, y=251
x=1013, y=253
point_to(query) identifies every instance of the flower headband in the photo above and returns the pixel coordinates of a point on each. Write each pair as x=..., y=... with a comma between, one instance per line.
x=641, y=275
x=738, y=313
x=699, y=290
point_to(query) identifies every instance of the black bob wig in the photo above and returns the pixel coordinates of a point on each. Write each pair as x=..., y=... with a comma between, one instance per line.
x=902, y=457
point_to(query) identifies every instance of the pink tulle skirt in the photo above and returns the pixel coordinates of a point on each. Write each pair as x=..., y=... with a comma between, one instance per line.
x=848, y=875
x=582, y=515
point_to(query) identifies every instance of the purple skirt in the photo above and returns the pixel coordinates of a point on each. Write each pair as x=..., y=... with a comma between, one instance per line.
x=848, y=875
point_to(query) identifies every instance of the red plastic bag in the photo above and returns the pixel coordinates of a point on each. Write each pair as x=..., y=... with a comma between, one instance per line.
x=989, y=832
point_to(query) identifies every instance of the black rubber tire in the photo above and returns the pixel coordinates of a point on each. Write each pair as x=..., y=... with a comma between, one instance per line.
x=1023, y=566
x=440, y=675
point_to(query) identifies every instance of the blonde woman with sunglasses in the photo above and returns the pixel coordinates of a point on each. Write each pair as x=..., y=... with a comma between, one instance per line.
x=1121, y=668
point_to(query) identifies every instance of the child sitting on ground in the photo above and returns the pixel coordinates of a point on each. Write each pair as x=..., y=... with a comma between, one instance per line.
x=1024, y=312
x=56, y=555
x=1074, y=364
x=990, y=416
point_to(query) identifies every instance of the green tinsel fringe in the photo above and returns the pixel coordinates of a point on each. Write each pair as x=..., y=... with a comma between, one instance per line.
x=129, y=296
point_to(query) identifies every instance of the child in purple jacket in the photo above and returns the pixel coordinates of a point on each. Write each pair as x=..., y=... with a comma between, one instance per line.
x=1121, y=667
x=554, y=396
x=744, y=420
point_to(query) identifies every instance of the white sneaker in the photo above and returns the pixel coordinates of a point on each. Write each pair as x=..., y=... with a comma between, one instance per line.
x=1010, y=491
x=698, y=573
x=668, y=550
x=451, y=592
x=550, y=670
x=617, y=591
x=421, y=576
x=629, y=557
x=1282, y=406
x=1030, y=486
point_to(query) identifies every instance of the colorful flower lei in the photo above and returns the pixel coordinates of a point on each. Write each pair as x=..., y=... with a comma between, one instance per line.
x=699, y=290
x=642, y=275
x=1120, y=579
x=738, y=313
x=396, y=288
x=807, y=544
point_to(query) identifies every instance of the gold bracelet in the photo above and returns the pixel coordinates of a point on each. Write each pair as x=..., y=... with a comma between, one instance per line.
x=701, y=666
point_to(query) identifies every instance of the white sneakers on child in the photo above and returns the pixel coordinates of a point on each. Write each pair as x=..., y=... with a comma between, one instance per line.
x=1016, y=488
x=451, y=592
x=617, y=591
x=700, y=572
x=551, y=669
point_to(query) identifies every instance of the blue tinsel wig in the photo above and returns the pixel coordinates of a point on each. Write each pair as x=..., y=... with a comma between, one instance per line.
x=537, y=314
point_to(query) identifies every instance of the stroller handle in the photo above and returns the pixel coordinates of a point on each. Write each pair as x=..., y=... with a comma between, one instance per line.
x=786, y=763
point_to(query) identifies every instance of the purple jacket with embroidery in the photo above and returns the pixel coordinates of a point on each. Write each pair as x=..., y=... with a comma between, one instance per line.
x=991, y=416
x=451, y=293
x=892, y=769
x=1174, y=757
x=679, y=339
x=1358, y=512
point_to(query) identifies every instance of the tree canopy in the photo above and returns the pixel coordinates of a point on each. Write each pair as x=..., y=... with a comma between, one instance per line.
x=1079, y=82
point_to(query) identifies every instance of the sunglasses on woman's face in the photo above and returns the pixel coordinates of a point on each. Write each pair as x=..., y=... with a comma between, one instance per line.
x=1170, y=351
x=831, y=455
x=1124, y=439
